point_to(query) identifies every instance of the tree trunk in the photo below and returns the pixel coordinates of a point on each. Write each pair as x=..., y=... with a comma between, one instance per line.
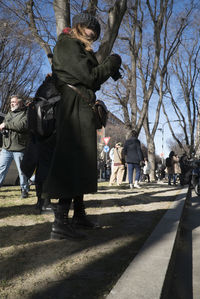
x=62, y=14
x=151, y=158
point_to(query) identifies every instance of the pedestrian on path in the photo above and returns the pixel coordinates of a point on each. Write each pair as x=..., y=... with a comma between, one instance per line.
x=146, y=169
x=118, y=167
x=134, y=157
x=173, y=167
x=73, y=171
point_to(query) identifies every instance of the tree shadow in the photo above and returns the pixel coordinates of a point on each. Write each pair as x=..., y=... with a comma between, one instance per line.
x=92, y=279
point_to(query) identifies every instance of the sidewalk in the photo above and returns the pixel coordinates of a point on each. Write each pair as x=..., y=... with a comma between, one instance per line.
x=145, y=276
x=33, y=266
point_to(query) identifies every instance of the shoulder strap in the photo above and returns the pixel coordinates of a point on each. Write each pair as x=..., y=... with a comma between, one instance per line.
x=51, y=100
x=118, y=155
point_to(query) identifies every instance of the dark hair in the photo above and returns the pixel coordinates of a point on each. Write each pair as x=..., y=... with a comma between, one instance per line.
x=171, y=154
x=134, y=133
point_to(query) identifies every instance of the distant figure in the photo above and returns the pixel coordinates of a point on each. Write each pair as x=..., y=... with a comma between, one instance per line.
x=14, y=130
x=134, y=156
x=177, y=169
x=160, y=171
x=118, y=167
x=173, y=167
x=111, y=156
x=186, y=170
x=146, y=169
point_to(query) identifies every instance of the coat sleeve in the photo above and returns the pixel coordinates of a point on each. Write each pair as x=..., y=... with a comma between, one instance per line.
x=17, y=124
x=125, y=149
x=73, y=62
x=140, y=154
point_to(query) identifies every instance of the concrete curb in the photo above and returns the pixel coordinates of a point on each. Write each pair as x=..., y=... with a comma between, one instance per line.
x=144, y=277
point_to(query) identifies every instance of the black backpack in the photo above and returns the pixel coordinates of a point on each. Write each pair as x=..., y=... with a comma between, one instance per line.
x=168, y=162
x=41, y=112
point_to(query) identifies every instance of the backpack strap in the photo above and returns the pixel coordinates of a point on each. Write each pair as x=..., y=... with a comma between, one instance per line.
x=51, y=100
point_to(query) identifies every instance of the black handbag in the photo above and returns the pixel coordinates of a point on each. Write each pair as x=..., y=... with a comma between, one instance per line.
x=99, y=109
x=101, y=114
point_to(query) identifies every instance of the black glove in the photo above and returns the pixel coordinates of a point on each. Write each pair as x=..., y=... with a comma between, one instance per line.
x=116, y=76
x=116, y=60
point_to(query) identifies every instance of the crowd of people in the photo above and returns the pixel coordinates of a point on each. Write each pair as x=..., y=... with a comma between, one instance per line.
x=175, y=170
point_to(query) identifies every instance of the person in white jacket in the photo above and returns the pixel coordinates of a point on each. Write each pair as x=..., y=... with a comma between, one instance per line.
x=118, y=167
x=146, y=169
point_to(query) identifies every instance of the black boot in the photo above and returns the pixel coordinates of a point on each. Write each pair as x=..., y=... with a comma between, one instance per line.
x=43, y=205
x=80, y=218
x=39, y=203
x=46, y=207
x=61, y=228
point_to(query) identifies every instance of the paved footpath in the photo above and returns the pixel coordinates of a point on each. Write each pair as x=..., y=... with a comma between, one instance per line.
x=195, y=228
x=145, y=276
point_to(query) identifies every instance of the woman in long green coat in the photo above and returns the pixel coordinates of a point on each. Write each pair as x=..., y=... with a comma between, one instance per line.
x=73, y=170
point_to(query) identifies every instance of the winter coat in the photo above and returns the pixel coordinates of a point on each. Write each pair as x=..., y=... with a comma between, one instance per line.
x=118, y=156
x=73, y=170
x=175, y=166
x=147, y=167
x=132, y=151
x=15, y=135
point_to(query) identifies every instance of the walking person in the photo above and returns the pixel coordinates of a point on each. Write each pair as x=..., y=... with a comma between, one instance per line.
x=173, y=167
x=111, y=156
x=134, y=157
x=169, y=166
x=177, y=169
x=146, y=169
x=118, y=167
x=15, y=135
x=73, y=171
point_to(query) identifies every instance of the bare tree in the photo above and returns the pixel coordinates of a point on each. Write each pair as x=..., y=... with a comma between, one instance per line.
x=38, y=22
x=18, y=70
x=185, y=104
x=150, y=36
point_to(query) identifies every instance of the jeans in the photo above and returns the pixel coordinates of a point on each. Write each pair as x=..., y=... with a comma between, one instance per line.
x=6, y=158
x=170, y=177
x=131, y=167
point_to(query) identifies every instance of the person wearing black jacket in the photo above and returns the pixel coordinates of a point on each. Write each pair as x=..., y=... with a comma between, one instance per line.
x=73, y=168
x=134, y=157
x=14, y=130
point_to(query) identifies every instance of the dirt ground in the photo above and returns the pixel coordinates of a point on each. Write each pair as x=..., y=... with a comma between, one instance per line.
x=33, y=266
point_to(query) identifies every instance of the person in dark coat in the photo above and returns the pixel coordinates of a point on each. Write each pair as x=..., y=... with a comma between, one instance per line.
x=134, y=157
x=73, y=171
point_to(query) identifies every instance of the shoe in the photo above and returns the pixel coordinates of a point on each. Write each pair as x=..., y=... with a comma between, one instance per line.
x=131, y=186
x=31, y=182
x=61, y=228
x=83, y=222
x=136, y=185
x=24, y=194
x=46, y=209
x=65, y=231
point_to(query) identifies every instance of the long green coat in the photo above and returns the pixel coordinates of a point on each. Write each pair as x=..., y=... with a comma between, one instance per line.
x=73, y=169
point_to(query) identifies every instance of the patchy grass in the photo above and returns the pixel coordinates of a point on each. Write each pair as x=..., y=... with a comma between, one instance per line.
x=33, y=266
